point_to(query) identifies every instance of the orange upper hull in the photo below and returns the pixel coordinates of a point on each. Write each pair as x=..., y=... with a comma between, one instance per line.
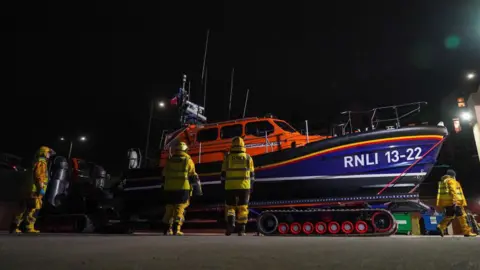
x=205, y=150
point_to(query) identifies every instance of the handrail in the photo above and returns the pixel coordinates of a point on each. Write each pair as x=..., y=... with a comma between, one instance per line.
x=267, y=143
x=374, y=121
x=306, y=129
x=200, y=153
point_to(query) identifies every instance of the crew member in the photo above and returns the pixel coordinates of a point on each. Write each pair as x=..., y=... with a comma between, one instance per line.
x=180, y=180
x=450, y=196
x=32, y=205
x=237, y=175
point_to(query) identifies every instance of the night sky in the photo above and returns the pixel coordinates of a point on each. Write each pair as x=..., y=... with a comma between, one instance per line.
x=92, y=70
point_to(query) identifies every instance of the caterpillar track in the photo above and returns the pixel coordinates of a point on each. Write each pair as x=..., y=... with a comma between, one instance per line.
x=327, y=222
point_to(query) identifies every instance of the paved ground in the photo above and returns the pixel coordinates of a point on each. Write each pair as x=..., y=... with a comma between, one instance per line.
x=153, y=251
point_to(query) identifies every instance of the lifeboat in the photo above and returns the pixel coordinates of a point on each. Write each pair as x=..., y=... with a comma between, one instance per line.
x=290, y=165
x=294, y=166
x=298, y=175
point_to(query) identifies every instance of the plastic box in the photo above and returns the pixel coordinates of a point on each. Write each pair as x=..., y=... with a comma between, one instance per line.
x=404, y=221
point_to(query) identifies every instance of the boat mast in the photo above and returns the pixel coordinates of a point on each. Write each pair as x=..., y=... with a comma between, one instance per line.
x=189, y=84
x=204, y=71
x=231, y=92
x=205, y=55
x=245, y=107
x=205, y=90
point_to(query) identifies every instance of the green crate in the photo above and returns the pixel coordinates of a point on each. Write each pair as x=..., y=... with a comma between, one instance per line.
x=404, y=222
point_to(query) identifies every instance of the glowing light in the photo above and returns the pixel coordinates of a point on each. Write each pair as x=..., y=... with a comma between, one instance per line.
x=161, y=104
x=83, y=138
x=452, y=42
x=471, y=76
x=467, y=116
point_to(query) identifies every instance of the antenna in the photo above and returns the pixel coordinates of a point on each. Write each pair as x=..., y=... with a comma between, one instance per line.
x=184, y=81
x=205, y=55
x=245, y=108
x=189, y=83
x=231, y=92
x=205, y=90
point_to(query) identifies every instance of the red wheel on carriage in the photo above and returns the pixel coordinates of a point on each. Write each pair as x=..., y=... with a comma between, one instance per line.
x=295, y=228
x=308, y=228
x=283, y=228
x=361, y=227
x=347, y=227
x=333, y=227
x=321, y=227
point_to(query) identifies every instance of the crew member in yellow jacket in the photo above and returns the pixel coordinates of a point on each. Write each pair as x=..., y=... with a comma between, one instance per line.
x=238, y=174
x=180, y=180
x=32, y=205
x=450, y=196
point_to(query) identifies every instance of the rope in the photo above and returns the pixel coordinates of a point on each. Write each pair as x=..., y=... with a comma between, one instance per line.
x=409, y=167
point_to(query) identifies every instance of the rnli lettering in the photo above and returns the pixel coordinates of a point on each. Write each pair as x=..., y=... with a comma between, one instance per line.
x=361, y=160
x=389, y=157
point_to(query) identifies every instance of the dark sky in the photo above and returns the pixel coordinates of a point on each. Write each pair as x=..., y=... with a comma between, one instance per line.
x=92, y=69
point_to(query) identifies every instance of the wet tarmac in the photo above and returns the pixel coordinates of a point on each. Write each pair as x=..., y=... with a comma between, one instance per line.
x=201, y=251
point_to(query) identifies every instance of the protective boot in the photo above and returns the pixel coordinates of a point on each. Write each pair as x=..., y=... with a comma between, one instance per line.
x=241, y=230
x=167, y=230
x=14, y=230
x=470, y=234
x=176, y=229
x=230, y=225
x=441, y=230
x=31, y=229
x=467, y=231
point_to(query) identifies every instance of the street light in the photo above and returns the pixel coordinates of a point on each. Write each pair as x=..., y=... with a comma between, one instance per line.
x=161, y=104
x=467, y=116
x=81, y=138
x=471, y=76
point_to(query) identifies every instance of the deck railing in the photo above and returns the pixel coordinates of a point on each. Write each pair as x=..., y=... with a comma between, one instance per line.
x=411, y=108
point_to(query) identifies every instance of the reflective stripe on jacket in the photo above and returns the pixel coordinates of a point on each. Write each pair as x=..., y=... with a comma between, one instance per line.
x=177, y=171
x=450, y=192
x=238, y=170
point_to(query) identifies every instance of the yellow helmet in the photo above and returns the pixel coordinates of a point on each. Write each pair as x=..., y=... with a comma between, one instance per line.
x=181, y=146
x=238, y=142
x=43, y=150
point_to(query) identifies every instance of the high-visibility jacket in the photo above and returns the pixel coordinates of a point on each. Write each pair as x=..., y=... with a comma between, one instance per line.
x=177, y=172
x=450, y=192
x=40, y=176
x=238, y=171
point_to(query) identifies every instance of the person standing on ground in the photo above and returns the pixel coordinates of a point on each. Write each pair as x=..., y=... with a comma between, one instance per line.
x=32, y=205
x=238, y=175
x=180, y=181
x=450, y=196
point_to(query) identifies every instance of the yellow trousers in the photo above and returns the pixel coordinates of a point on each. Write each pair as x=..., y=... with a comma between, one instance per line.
x=236, y=205
x=240, y=213
x=29, y=210
x=452, y=213
x=175, y=213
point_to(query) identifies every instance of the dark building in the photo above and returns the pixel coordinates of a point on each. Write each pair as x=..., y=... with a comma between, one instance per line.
x=460, y=149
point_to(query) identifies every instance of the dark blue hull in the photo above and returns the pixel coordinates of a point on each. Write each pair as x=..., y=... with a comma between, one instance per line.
x=363, y=164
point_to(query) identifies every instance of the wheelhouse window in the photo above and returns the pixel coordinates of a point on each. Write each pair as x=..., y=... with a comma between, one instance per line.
x=232, y=131
x=209, y=134
x=259, y=129
x=285, y=126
